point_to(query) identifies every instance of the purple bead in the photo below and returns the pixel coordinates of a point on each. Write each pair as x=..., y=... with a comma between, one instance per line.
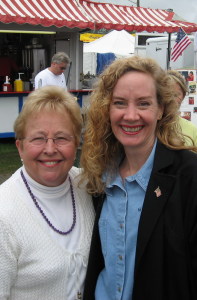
x=42, y=212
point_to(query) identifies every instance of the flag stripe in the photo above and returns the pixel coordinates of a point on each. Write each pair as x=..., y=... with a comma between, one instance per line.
x=181, y=43
x=177, y=45
x=180, y=51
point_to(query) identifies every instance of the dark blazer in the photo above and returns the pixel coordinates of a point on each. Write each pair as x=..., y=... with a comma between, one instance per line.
x=166, y=253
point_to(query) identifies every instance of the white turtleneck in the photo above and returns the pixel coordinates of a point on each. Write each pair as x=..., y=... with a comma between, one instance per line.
x=37, y=262
x=56, y=203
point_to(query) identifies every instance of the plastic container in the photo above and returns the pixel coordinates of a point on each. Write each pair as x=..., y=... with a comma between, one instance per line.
x=7, y=87
x=26, y=86
x=18, y=84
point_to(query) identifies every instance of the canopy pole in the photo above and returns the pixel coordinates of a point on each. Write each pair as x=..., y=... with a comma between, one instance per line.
x=169, y=51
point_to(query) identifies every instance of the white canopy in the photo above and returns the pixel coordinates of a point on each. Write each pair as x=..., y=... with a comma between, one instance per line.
x=117, y=42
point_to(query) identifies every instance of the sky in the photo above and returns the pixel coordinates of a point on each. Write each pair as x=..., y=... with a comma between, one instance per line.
x=185, y=9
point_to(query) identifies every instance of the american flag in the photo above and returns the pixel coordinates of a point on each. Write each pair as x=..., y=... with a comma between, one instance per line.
x=181, y=43
x=158, y=192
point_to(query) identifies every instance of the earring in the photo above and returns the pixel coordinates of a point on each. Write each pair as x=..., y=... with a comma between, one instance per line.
x=22, y=160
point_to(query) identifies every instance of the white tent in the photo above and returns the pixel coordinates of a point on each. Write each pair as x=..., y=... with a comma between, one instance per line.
x=117, y=42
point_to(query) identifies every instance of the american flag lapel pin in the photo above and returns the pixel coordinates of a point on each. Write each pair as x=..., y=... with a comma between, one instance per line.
x=158, y=192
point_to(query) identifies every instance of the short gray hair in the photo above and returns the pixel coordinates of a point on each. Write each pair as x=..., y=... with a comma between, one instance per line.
x=60, y=57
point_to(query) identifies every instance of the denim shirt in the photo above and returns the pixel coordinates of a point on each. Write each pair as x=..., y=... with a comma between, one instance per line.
x=118, y=227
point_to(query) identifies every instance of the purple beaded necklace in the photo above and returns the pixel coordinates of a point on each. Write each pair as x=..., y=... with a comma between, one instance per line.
x=43, y=214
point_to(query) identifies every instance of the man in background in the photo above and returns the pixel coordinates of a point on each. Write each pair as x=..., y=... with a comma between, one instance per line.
x=54, y=74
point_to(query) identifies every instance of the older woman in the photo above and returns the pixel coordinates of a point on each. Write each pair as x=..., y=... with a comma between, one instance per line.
x=46, y=219
x=180, y=90
x=144, y=243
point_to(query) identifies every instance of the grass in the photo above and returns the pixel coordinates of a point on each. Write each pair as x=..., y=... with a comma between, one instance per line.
x=10, y=159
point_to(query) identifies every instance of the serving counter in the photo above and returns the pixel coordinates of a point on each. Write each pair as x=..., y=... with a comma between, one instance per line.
x=11, y=104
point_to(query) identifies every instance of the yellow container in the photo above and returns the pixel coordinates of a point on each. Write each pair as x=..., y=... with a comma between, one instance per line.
x=19, y=84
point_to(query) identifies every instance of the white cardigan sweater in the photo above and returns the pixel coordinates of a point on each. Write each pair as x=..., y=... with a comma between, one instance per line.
x=32, y=265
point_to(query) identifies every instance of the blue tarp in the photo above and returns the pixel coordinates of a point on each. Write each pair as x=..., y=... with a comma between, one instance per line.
x=103, y=60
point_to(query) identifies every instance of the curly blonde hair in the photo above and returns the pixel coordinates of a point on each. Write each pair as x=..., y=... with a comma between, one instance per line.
x=101, y=149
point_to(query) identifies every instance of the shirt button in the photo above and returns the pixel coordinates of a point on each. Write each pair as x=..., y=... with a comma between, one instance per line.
x=121, y=226
x=139, y=209
x=120, y=257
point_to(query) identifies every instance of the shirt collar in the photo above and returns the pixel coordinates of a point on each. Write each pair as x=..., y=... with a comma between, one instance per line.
x=141, y=177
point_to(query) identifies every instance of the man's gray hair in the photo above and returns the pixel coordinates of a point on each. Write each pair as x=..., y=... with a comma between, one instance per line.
x=60, y=57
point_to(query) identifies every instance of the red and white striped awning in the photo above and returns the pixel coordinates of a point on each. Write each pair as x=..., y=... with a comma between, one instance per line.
x=87, y=14
x=131, y=18
x=45, y=12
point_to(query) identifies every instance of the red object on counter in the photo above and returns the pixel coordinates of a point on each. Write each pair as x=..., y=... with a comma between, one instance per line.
x=7, y=87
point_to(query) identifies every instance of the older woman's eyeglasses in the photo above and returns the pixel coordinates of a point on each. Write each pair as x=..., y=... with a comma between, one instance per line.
x=58, y=141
